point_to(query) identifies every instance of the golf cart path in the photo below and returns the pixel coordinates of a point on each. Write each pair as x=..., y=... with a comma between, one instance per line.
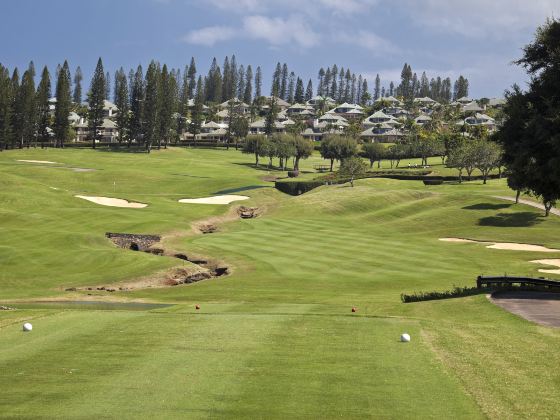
x=529, y=203
x=538, y=307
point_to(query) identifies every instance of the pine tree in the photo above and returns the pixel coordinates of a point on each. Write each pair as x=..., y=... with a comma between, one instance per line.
x=152, y=106
x=284, y=82
x=276, y=81
x=291, y=87
x=309, y=91
x=241, y=82
x=167, y=105
x=258, y=83
x=359, y=90
x=78, y=77
x=377, y=90
x=6, y=107
x=96, y=102
x=42, y=104
x=192, y=79
x=299, y=95
x=365, y=94
x=341, y=86
x=353, y=92
x=424, y=85
x=122, y=103
x=197, y=115
x=226, y=82
x=327, y=83
x=137, y=98
x=347, y=86
x=248, y=94
x=391, y=89
x=334, y=88
x=63, y=104
x=107, y=86
x=214, y=83
x=25, y=110
x=234, y=80
x=321, y=86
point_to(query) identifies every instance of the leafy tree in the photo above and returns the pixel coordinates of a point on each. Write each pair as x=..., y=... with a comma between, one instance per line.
x=285, y=149
x=96, y=102
x=63, y=104
x=304, y=149
x=353, y=167
x=488, y=157
x=530, y=132
x=239, y=127
x=255, y=145
x=374, y=152
x=457, y=157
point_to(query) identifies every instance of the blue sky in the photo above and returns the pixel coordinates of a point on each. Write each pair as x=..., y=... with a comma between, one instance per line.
x=477, y=38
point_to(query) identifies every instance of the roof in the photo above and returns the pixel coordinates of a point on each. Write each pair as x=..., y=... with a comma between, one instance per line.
x=237, y=102
x=496, y=102
x=379, y=114
x=211, y=124
x=473, y=106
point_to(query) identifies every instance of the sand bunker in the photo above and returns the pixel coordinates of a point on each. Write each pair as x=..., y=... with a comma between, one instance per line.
x=113, y=202
x=554, y=263
x=504, y=245
x=38, y=161
x=217, y=199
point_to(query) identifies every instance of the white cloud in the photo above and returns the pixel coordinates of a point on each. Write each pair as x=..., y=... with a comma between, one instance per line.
x=369, y=41
x=481, y=18
x=309, y=7
x=279, y=31
x=210, y=35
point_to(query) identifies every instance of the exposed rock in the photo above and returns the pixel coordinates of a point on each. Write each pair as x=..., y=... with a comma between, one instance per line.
x=6, y=308
x=248, y=212
x=71, y=289
x=206, y=228
x=133, y=241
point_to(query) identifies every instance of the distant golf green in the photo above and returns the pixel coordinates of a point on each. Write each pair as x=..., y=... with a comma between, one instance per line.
x=277, y=337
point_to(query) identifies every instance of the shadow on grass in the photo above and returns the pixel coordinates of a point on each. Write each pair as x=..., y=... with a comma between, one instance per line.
x=487, y=206
x=124, y=149
x=241, y=189
x=522, y=219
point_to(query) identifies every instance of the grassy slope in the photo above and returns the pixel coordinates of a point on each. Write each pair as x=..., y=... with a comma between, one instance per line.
x=275, y=338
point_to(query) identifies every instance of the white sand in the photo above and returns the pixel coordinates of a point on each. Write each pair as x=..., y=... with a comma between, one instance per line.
x=555, y=263
x=218, y=199
x=38, y=161
x=460, y=240
x=113, y=202
x=504, y=245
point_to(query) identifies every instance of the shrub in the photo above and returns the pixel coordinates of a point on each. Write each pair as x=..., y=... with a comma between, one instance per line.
x=293, y=174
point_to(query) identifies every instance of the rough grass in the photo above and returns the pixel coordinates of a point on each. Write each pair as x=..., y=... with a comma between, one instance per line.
x=276, y=339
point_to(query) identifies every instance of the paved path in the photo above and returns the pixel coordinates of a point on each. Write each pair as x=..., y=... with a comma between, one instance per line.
x=540, y=307
x=529, y=203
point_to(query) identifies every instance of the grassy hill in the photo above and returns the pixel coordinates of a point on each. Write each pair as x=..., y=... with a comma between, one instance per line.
x=276, y=338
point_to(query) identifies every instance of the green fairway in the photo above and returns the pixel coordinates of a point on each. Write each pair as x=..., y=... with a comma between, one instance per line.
x=276, y=338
